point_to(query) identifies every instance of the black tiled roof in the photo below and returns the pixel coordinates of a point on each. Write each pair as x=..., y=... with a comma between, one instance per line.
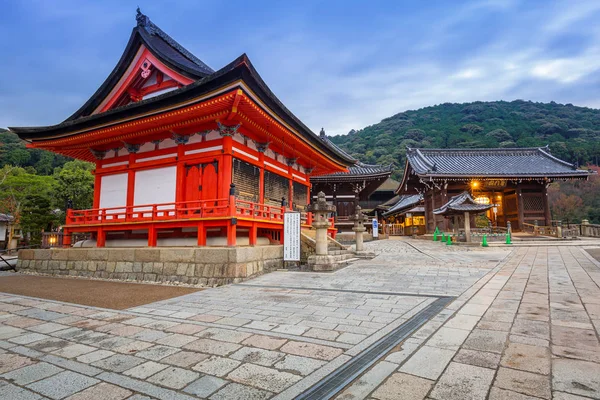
x=5, y=218
x=405, y=202
x=501, y=163
x=240, y=69
x=461, y=203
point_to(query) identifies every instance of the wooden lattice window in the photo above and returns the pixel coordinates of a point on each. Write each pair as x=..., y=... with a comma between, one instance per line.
x=533, y=203
x=276, y=187
x=300, y=195
x=246, y=178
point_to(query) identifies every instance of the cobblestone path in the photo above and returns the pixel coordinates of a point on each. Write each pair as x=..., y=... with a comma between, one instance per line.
x=524, y=324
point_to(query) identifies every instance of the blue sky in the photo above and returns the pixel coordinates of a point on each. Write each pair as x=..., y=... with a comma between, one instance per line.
x=336, y=64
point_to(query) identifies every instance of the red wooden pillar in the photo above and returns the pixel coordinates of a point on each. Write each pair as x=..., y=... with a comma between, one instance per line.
x=226, y=167
x=152, y=236
x=100, y=238
x=66, y=238
x=201, y=234
x=252, y=234
x=290, y=188
x=97, y=185
x=231, y=233
x=261, y=177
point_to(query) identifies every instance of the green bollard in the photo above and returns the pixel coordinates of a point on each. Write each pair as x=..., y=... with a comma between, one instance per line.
x=508, y=239
x=484, y=242
x=443, y=237
x=449, y=241
x=435, y=234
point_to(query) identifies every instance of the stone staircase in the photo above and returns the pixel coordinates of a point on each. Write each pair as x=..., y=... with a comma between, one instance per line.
x=338, y=255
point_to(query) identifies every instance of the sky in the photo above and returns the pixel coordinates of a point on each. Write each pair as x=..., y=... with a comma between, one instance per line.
x=340, y=65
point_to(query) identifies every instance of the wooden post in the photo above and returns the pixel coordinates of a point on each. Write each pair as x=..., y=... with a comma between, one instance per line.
x=261, y=178
x=152, y=236
x=201, y=234
x=226, y=166
x=456, y=225
x=97, y=185
x=100, y=238
x=546, y=207
x=252, y=233
x=467, y=227
x=66, y=242
x=520, y=208
x=231, y=233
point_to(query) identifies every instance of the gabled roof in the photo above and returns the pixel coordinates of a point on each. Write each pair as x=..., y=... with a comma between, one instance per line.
x=462, y=203
x=495, y=163
x=6, y=218
x=405, y=202
x=162, y=46
x=239, y=74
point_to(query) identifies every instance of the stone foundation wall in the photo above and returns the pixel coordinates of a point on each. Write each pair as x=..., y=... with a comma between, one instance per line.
x=206, y=266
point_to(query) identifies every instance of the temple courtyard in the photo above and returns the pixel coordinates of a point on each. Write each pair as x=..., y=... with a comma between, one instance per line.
x=421, y=320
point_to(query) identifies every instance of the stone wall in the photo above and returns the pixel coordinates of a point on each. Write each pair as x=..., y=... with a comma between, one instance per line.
x=208, y=266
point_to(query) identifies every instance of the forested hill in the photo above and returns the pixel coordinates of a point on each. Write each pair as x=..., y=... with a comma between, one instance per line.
x=573, y=133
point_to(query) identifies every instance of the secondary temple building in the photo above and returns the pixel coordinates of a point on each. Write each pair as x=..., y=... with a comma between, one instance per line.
x=186, y=155
x=347, y=189
x=513, y=181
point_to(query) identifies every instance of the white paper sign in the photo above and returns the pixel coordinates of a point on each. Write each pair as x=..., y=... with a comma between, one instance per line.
x=291, y=236
x=375, y=228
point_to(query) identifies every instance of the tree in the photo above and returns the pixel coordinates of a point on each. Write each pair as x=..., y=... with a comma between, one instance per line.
x=37, y=216
x=74, y=182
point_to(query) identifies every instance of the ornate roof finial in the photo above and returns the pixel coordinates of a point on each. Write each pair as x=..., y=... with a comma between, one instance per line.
x=322, y=133
x=141, y=19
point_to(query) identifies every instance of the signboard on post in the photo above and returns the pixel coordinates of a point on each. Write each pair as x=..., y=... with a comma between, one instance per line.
x=375, y=228
x=291, y=236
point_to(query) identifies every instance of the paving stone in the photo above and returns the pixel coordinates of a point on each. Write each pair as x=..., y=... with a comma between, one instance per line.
x=237, y=391
x=257, y=356
x=133, y=347
x=216, y=366
x=478, y=358
x=503, y=394
x=523, y=382
x=323, y=334
x=224, y=335
x=428, y=362
x=448, y=338
x=143, y=387
x=48, y=327
x=150, y=335
x=174, y=377
x=10, y=362
x=212, y=347
x=145, y=370
x=262, y=377
x=290, y=329
x=118, y=362
x=186, y=329
x=407, y=348
x=71, y=365
x=261, y=325
x=486, y=340
x=526, y=327
x=28, y=338
x=410, y=387
x=576, y=377
x=32, y=373
x=205, y=386
x=462, y=321
x=532, y=341
x=176, y=340
x=461, y=381
x=102, y=391
x=12, y=392
x=367, y=382
x=264, y=342
x=94, y=356
x=185, y=358
x=62, y=385
x=157, y=352
x=311, y=350
x=528, y=358
x=74, y=350
x=299, y=365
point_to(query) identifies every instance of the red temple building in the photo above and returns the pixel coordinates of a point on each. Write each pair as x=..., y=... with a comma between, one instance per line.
x=186, y=155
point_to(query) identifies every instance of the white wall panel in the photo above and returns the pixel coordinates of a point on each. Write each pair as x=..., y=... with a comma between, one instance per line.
x=113, y=191
x=155, y=186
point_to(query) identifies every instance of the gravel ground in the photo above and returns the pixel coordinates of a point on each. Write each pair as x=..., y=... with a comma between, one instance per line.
x=96, y=293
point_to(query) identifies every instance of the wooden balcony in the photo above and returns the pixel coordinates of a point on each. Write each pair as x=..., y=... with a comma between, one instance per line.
x=232, y=215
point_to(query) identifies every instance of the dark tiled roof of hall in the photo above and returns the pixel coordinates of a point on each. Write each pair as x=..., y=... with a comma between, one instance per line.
x=502, y=162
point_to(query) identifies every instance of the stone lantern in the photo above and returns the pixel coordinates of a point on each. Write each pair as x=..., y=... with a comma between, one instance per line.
x=359, y=228
x=320, y=209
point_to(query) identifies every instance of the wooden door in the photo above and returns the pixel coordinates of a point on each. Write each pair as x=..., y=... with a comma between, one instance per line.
x=201, y=181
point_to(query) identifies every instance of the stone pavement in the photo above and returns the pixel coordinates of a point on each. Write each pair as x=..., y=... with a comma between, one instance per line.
x=524, y=325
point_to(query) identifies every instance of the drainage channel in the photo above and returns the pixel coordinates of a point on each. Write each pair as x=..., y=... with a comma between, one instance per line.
x=333, y=383
x=340, y=290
